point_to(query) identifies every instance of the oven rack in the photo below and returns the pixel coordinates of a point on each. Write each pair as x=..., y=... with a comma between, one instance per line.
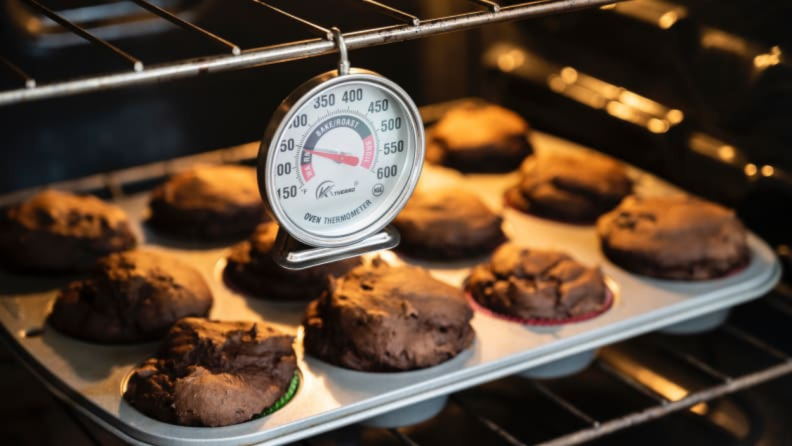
x=724, y=385
x=410, y=27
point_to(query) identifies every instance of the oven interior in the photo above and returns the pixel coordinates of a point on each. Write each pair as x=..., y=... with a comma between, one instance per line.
x=695, y=91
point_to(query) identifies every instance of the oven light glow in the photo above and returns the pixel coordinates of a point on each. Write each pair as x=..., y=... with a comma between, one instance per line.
x=509, y=61
x=585, y=89
x=658, y=125
x=675, y=116
x=750, y=169
x=768, y=59
x=659, y=384
x=668, y=19
x=767, y=171
x=726, y=153
x=569, y=75
x=556, y=83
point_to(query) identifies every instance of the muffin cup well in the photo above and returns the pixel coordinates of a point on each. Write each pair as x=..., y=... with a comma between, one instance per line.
x=646, y=268
x=294, y=385
x=609, y=299
x=288, y=396
x=509, y=202
x=407, y=416
x=562, y=367
x=699, y=324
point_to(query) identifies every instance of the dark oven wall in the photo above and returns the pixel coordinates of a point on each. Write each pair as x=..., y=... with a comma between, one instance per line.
x=696, y=91
x=693, y=90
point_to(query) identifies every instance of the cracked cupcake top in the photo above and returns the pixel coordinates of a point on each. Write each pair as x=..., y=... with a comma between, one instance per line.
x=382, y=318
x=677, y=237
x=536, y=284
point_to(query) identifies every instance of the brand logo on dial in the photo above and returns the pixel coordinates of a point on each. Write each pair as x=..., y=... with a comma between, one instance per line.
x=324, y=189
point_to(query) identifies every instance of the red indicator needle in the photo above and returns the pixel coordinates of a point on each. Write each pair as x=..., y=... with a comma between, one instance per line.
x=341, y=158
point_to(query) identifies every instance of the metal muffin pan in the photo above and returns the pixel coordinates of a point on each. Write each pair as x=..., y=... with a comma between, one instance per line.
x=91, y=376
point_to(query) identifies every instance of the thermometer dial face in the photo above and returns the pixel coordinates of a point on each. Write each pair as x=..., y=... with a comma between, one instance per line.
x=343, y=159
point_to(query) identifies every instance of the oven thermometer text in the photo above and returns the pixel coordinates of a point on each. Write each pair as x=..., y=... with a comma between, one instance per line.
x=344, y=158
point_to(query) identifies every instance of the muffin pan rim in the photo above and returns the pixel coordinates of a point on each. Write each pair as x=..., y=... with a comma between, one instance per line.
x=330, y=398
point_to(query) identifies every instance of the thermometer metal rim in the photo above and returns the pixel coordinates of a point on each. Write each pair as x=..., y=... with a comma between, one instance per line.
x=281, y=118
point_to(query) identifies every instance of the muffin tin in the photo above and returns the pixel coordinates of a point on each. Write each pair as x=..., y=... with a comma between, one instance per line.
x=92, y=376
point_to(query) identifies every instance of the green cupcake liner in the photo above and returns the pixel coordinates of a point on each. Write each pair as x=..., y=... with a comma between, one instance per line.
x=282, y=401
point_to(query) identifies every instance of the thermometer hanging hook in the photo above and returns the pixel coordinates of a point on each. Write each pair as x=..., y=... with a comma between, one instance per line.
x=343, y=60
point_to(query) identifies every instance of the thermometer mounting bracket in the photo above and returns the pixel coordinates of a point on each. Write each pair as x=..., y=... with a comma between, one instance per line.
x=291, y=254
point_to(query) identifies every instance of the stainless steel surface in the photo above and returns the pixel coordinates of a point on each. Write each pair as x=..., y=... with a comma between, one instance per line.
x=291, y=50
x=137, y=65
x=280, y=121
x=91, y=376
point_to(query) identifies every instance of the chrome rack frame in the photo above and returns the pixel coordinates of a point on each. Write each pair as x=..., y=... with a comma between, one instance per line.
x=723, y=385
x=412, y=27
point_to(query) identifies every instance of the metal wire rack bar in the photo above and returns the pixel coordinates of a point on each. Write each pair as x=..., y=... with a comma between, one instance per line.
x=137, y=65
x=321, y=31
x=756, y=342
x=187, y=25
x=631, y=383
x=664, y=407
x=489, y=424
x=492, y=6
x=282, y=52
x=660, y=411
x=402, y=437
x=20, y=73
x=694, y=362
x=393, y=12
x=727, y=385
x=566, y=405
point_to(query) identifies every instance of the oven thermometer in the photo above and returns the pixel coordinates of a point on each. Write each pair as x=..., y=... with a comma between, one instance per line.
x=339, y=160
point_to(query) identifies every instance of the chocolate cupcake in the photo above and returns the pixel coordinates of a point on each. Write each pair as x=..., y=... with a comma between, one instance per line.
x=478, y=137
x=211, y=373
x=57, y=232
x=208, y=203
x=531, y=284
x=448, y=224
x=575, y=188
x=250, y=268
x=379, y=318
x=681, y=238
x=132, y=296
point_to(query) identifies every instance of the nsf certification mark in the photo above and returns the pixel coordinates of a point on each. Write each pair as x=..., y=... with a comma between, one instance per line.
x=378, y=189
